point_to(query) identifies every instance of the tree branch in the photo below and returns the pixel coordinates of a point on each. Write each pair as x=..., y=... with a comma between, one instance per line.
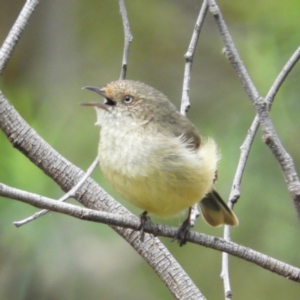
x=232, y=54
x=271, y=138
x=269, y=100
x=189, y=57
x=91, y=195
x=15, y=32
x=26, y=140
x=282, y=76
x=288, y=168
x=65, y=197
x=133, y=222
x=285, y=161
x=127, y=38
x=237, y=64
x=185, y=99
x=262, y=107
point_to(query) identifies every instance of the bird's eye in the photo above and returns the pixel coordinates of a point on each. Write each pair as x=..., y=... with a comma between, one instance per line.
x=127, y=99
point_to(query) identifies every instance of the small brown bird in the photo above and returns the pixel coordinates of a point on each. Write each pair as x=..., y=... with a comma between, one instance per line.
x=154, y=157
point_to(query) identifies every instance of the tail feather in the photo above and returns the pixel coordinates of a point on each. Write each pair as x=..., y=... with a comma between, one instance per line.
x=216, y=212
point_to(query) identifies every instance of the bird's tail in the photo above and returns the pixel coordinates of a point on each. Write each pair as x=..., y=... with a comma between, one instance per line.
x=216, y=212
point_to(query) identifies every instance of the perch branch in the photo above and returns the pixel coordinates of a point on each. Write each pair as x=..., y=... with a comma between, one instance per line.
x=133, y=222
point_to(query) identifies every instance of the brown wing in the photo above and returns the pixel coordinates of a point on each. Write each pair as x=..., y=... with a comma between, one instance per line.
x=183, y=126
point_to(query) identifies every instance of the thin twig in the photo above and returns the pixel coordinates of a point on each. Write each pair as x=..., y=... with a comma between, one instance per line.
x=65, y=197
x=232, y=54
x=134, y=222
x=189, y=56
x=127, y=38
x=15, y=32
x=282, y=76
x=233, y=197
x=185, y=99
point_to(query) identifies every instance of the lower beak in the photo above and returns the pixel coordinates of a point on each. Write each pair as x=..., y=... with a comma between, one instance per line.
x=95, y=104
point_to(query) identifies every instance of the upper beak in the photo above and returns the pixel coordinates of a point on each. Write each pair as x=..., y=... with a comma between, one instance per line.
x=108, y=102
x=96, y=90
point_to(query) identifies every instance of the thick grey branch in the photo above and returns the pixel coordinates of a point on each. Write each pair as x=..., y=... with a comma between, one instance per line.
x=91, y=195
x=26, y=140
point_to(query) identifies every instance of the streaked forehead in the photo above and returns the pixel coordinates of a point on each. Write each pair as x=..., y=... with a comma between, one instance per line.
x=118, y=89
x=122, y=87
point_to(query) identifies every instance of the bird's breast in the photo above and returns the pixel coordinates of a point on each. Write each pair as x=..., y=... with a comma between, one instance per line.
x=158, y=173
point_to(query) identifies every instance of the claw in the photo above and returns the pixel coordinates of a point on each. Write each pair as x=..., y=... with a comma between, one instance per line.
x=185, y=227
x=182, y=233
x=144, y=220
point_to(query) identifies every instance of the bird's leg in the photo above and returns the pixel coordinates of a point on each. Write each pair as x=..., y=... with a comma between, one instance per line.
x=185, y=227
x=194, y=213
x=144, y=220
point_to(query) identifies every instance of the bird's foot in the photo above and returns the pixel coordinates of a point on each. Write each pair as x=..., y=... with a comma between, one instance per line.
x=144, y=220
x=185, y=227
x=182, y=232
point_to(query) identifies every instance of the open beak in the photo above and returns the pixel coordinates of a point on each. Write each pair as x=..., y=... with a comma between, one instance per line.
x=107, y=103
x=96, y=90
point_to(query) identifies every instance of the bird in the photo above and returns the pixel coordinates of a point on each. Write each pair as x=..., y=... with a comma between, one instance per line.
x=155, y=157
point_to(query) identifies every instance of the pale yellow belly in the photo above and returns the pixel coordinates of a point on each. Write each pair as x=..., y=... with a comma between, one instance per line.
x=162, y=193
x=162, y=176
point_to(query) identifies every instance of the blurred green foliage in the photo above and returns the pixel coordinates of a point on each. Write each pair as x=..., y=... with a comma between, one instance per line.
x=70, y=44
